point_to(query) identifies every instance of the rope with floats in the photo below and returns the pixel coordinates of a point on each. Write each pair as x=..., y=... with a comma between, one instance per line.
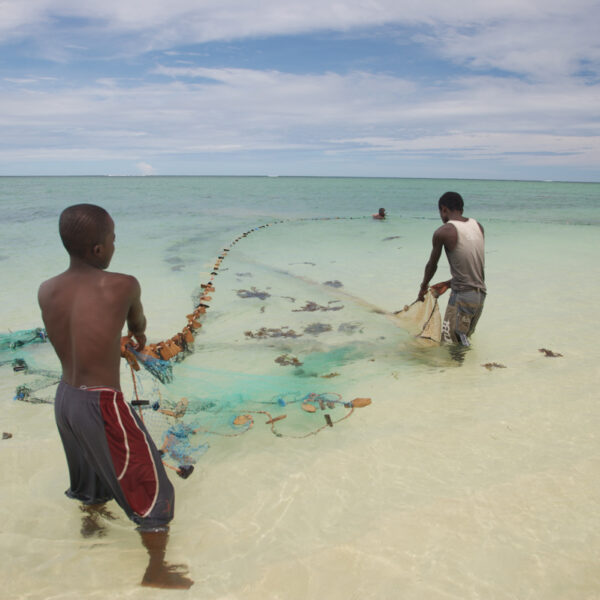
x=180, y=344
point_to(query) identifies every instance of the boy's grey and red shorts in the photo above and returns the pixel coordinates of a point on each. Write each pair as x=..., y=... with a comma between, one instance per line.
x=110, y=454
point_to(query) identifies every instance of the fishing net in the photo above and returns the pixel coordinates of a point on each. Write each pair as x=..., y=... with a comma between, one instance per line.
x=186, y=407
x=18, y=351
x=18, y=339
x=157, y=367
x=184, y=428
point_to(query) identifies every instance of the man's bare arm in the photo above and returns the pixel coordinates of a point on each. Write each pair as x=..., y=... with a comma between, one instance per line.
x=432, y=264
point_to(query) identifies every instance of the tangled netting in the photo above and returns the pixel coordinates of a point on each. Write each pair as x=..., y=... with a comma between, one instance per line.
x=19, y=339
x=183, y=432
x=13, y=347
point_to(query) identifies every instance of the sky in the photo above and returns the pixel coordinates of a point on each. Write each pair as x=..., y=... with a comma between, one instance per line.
x=496, y=89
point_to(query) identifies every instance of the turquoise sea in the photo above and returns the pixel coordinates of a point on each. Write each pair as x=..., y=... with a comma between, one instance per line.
x=458, y=481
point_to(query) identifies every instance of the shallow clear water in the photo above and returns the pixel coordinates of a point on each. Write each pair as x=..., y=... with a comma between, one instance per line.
x=456, y=482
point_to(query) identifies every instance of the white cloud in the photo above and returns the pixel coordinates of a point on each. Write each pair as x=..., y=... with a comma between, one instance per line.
x=525, y=147
x=534, y=37
x=224, y=110
x=144, y=168
x=545, y=49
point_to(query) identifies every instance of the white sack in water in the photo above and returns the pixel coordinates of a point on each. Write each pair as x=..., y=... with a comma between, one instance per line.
x=422, y=319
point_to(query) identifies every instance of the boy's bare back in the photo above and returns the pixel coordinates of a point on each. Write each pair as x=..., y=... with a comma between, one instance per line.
x=84, y=308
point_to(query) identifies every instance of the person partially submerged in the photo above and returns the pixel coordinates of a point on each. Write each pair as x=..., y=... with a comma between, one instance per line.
x=110, y=454
x=380, y=214
x=463, y=240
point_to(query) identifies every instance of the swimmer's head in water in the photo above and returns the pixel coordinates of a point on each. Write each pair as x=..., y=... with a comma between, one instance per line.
x=87, y=231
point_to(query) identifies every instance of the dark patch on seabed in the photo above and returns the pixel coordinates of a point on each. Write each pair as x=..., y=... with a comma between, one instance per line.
x=253, y=293
x=325, y=364
x=311, y=306
x=334, y=284
x=350, y=327
x=186, y=242
x=244, y=274
x=317, y=328
x=176, y=262
x=393, y=237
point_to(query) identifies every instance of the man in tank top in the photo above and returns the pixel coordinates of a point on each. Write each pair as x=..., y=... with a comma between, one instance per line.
x=463, y=241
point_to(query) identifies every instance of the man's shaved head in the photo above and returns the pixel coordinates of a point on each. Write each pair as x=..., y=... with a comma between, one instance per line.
x=82, y=226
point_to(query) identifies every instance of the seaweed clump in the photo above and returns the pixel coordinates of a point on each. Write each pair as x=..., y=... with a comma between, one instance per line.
x=493, y=365
x=253, y=293
x=264, y=333
x=549, y=353
x=311, y=306
x=285, y=360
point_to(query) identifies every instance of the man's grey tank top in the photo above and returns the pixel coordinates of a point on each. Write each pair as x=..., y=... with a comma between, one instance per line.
x=467, y=261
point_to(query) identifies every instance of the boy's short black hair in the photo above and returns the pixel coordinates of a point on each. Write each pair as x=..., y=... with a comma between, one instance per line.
x=82, y=226
x=452, y=201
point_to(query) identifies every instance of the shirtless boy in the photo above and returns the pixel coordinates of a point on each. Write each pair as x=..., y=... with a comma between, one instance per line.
x=109, y=453
x=463, y=241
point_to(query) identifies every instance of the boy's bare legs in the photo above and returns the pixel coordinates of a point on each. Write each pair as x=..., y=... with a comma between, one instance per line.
x=159, y=573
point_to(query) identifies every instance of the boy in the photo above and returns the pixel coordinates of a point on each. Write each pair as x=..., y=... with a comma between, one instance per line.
x=109, y=452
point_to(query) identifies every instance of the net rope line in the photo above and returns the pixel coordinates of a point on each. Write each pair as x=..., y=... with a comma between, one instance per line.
x=176, y=443
x=181, y=342
x=309, y=399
